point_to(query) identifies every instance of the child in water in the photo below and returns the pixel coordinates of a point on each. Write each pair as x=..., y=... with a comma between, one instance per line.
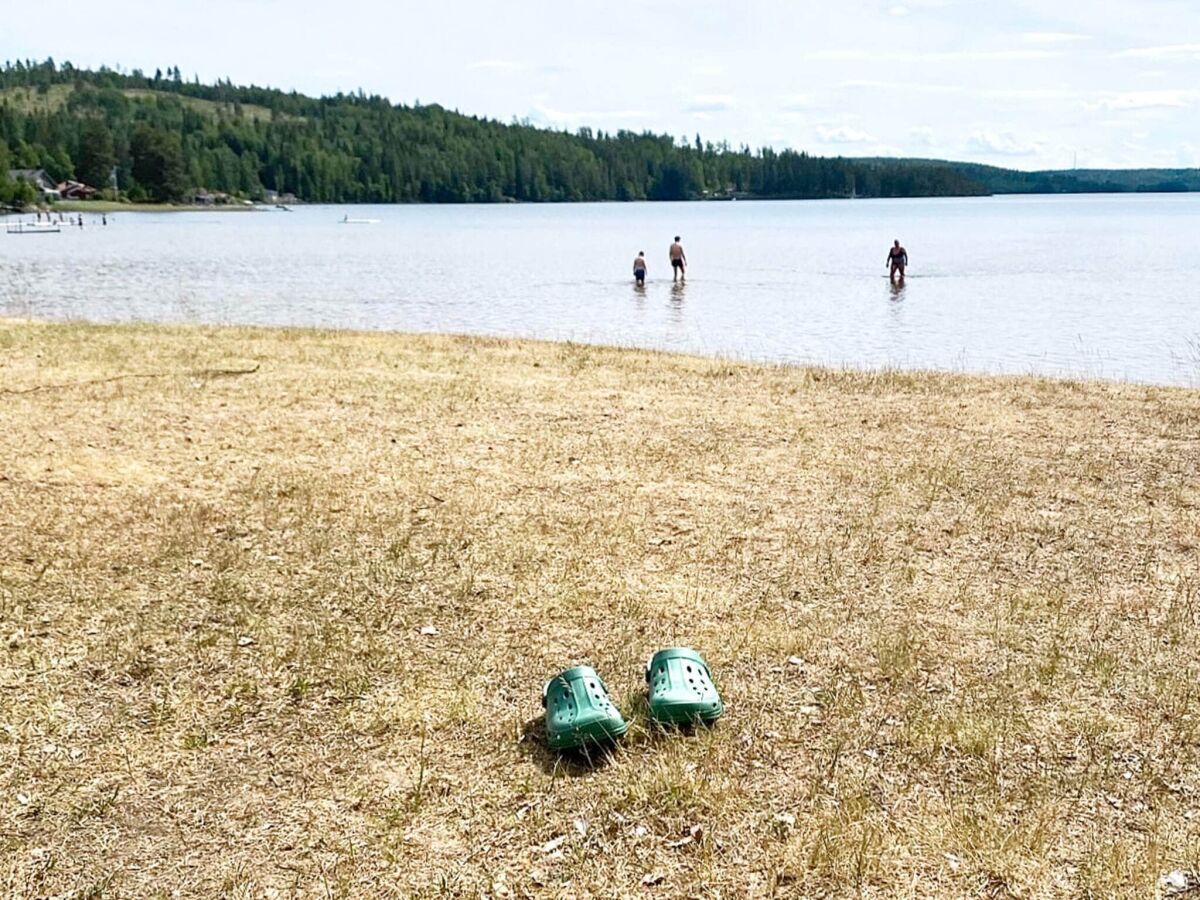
x=639, y=269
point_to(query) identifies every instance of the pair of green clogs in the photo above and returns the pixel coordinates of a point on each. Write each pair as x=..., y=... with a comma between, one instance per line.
x=579, y=711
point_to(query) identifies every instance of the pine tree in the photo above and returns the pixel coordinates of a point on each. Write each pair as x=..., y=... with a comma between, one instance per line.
x=96, y=156
x=158, y=165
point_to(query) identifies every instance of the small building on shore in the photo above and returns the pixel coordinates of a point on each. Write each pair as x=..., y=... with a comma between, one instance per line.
x=77, y=190
x=202, y=197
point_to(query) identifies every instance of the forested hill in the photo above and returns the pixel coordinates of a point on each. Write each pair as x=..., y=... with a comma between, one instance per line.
x=168, y=137
x=1065, y=181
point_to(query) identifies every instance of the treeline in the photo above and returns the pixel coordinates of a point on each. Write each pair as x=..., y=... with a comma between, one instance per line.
x=1059, y=181
x=1079, y=181
x=167, y=137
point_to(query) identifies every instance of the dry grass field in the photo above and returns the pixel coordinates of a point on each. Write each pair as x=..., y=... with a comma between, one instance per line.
x=56, y=96
x=954, y=621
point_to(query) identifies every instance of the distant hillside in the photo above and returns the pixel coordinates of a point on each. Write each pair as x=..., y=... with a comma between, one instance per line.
x=55, y=97
x=168, y=139
x=1146, y=180
x=1061, y=181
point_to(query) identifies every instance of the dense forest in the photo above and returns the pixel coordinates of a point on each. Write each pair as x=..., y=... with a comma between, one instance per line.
x=166, y=137
x=1073, y=181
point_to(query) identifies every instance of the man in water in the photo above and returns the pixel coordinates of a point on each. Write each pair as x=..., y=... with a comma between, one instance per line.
x=678, y=261
x=639, y=269
x=897, y=259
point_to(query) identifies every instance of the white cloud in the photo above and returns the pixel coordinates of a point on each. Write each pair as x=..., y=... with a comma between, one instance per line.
x=869, y=84
x=794, y=103
x=899, y=11
x=1133, y=100
x=945, y=56
x=844, y=134
x=1053, y=37
x=497, y=65
x=1187, y=156
x=1021, y=94
x=1003, y=143
x=1167, y=51
x=559, y=117
x=922, y=137
x=709, y=103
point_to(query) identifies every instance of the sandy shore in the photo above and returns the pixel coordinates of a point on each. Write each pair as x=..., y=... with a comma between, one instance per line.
x=954, y=621
x=111, y=207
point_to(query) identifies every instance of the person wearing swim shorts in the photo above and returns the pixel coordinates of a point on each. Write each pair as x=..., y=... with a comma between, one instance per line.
x=639, y=268
x=678, y=261
x=898, y=259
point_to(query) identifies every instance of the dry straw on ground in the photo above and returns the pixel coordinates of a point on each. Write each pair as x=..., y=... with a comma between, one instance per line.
x=954, y=621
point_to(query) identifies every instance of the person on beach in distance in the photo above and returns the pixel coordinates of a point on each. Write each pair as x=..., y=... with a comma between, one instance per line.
x=897, y=259
x=639, y=268
x=678, y=261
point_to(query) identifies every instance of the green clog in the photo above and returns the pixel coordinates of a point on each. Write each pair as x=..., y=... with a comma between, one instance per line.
x=579, y=711
x=680, y=688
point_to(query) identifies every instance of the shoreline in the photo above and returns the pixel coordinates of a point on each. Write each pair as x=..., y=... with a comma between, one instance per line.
x=745, y=362
x=106, y=206
x=109, y=207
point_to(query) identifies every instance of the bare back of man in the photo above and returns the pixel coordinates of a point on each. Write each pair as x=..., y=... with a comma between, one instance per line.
x=639, y=268
x=678, y=261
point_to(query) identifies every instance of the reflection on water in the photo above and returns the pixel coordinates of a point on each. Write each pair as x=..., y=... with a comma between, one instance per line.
x=678, y=290
x=1002, y=284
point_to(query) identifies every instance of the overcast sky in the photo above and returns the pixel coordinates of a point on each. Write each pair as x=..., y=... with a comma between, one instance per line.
x=1021, y=83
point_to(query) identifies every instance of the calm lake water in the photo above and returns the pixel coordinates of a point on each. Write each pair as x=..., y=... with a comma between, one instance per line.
x=1097, y=286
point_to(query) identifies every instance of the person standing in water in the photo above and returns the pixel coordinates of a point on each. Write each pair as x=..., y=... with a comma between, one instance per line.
x=898, y=259
x=678, y=261
x=639, y=268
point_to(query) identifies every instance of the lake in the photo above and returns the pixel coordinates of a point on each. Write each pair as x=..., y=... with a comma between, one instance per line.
x=1094, y=286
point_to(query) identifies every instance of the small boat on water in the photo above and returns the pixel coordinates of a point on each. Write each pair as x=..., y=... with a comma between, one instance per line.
x=31, y=228
x=346, y=220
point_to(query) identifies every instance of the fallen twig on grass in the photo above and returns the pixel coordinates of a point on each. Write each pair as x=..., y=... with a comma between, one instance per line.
x=194, y=373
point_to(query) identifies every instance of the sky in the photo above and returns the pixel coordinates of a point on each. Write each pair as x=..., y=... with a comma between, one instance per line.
x=1026, y=84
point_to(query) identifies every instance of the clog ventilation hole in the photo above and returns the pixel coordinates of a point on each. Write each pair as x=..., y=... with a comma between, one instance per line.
x=599, y=694
x=695, y=675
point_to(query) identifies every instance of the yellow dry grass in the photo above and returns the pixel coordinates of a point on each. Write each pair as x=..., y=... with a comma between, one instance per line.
x=953, y=619
x=32, y=100
x=55, y=96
